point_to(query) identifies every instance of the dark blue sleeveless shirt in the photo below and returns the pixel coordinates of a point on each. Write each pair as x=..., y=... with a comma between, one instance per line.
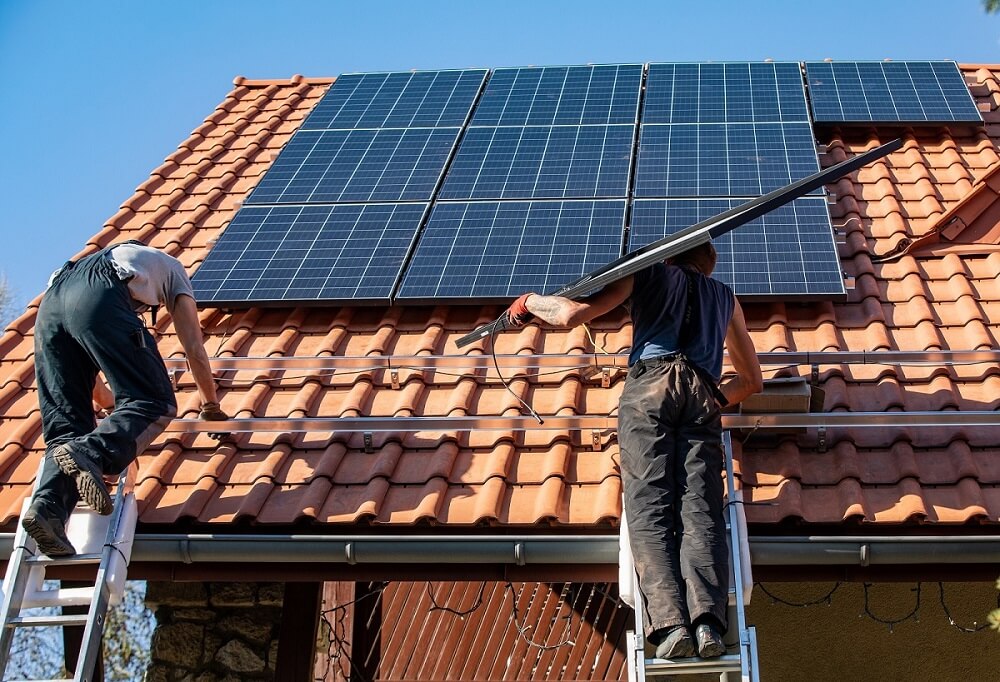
x=658, y=301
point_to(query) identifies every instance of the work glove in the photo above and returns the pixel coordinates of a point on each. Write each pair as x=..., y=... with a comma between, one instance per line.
x=517, y=314
x=212, y=412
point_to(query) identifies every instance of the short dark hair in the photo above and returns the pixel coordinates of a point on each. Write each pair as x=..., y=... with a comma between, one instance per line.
x=702, y=257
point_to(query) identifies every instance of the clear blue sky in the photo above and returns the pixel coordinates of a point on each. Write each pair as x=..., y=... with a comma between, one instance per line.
x=97, y=93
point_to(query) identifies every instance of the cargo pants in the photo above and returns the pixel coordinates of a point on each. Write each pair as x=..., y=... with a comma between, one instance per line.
x=86, y=323
x=670, y=435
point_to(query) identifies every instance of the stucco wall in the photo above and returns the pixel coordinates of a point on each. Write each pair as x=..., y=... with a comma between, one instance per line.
x=831, y=642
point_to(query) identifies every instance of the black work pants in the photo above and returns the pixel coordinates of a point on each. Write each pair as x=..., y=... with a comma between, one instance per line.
x=86, y=323
x=670, y=434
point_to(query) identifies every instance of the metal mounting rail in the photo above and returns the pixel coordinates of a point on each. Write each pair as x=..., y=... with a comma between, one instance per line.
x=470, y=362
x=581, y=422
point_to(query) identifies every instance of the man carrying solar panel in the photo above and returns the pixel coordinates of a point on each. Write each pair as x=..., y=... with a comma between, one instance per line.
x=88, y=322
x=670, y=435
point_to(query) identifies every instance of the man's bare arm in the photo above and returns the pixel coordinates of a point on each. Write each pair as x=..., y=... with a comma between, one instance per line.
x=748, y=379
x=188, y=327
x=565, y=312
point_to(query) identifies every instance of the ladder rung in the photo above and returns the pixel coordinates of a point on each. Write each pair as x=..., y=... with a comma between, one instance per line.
x=726, y=663
x=43, y=621
x=72, y=560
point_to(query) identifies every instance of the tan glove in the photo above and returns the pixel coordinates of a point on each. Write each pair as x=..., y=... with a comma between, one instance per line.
x=212, y=412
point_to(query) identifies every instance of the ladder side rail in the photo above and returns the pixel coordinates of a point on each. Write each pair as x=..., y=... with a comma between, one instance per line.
x=738, y=541
x=14, y=585
x=94, y=630
x=16, y=580
x=639, y=635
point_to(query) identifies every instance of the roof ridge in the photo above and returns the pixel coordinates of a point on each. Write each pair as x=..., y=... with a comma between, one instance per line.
x=297, y=79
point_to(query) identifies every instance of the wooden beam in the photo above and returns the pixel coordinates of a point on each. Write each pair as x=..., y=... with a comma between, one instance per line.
x=297, y=633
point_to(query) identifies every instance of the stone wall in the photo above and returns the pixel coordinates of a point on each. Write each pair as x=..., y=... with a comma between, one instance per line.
x=214, y=632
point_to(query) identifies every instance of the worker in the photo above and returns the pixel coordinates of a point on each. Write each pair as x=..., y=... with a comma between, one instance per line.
x=670, y=435
x=87, y=322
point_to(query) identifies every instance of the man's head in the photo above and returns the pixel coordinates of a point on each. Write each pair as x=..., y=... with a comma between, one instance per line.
x=701, y=257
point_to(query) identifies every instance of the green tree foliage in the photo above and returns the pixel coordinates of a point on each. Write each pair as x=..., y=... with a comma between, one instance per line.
x=991, y=6
x=994, y=616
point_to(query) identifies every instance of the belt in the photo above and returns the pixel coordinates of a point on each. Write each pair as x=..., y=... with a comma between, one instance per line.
x=676, y=356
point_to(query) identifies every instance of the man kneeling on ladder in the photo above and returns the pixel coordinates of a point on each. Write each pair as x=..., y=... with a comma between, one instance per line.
x=88, y=322
x=670, y=435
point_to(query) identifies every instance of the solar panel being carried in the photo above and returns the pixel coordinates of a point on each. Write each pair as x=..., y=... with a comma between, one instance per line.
x=347, y=252
x=789, y=252
x=911, y=92
x=500, y=249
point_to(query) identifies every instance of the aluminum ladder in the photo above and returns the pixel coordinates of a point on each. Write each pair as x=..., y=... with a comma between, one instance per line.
x=104, y=541
x=741, y=640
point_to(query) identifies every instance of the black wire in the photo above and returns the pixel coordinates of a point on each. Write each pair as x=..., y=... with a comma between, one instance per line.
x=976, y=627
x=493, y=350
x=891, y=623
x=437, y=607
x=825, y=598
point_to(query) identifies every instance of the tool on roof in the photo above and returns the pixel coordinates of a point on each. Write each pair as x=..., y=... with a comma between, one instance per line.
x=697, y=234
x=104, y=541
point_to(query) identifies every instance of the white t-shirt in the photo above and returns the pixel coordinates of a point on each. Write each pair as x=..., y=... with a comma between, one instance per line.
x=152, y=277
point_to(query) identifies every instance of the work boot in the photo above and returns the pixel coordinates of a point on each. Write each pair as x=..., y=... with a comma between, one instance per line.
x=88, y=478
x=47, y=531
x=710, y=644
x=676, y=644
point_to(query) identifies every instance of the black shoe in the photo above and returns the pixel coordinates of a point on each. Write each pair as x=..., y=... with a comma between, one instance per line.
x=676, y=644
x=710, y=643
x=47, y=531
x=88, y=478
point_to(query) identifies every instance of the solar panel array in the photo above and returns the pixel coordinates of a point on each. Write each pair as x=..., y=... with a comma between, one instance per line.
x=716, y=135
x=337, y=214
x=500, y=249
x=423, y=186
x=890, y=92
x=789, y=252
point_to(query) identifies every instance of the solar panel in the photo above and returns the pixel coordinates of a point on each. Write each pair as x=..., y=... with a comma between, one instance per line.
x=306, y=253
x=397, y=100
x=788, y=252
x=357, y=166
x=728, y=92
x=890, y=92
x=561, y=95
x=723, y=160
x=541, y=161
x=498, y=250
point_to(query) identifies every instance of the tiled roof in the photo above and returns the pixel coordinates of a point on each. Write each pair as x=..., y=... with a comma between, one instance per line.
x=920, y=242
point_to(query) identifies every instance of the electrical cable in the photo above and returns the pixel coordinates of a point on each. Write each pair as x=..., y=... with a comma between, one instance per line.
x=496, y=364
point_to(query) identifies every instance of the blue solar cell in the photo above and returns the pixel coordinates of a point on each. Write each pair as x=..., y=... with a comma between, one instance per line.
x=305, y=253
x=500, y=249
x=729, y=92
x=723, y=160
x=889, y=92
x=561, y=95
x=787, y=252
x=541, y=162
x=357, y=166
x=397, y=100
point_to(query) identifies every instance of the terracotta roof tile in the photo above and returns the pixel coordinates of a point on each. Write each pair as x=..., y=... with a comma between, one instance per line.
x=944, y=296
